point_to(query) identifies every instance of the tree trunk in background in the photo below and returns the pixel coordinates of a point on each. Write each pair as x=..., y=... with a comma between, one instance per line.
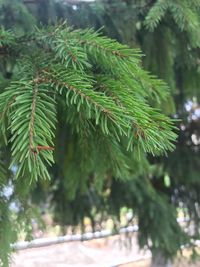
x=159, y=261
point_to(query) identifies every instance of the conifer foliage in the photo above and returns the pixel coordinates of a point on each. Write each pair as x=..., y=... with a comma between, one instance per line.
x=103, y=86
x=90, y=83
x=83, y=101
x=168, y=34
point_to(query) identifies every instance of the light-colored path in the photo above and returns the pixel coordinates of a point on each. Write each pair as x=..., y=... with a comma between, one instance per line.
x=108, y=252
x=98, y=253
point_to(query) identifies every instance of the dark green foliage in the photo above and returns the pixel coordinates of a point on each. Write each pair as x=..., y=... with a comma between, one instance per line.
x=168, y=34
x=108, y=100
x=101, y=94
x=7, y=235
x=167, y=238
x=101, y=102
x=14, y=14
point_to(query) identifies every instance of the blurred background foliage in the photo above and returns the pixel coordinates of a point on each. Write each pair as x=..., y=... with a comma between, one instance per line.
x=168, y=34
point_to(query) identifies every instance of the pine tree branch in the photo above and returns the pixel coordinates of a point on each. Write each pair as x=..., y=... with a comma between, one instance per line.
x=31, y=129
x=98, y=100
x=156, y=13
x=145, y=121
x=52, y=79
x=117, y=106
x=7, y=107
x=32, y=120
x=101, y=47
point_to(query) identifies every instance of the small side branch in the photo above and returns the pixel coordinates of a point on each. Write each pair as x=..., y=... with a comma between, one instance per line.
x=94, y=44
x=79, y=92
x=32, y=120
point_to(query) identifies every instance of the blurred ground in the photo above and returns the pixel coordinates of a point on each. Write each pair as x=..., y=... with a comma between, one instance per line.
x=110, y=252
x=101, y=252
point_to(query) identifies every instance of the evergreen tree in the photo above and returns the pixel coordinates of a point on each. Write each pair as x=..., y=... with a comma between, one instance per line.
x=86, y=87
x=83, y=171
x=168, y=34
